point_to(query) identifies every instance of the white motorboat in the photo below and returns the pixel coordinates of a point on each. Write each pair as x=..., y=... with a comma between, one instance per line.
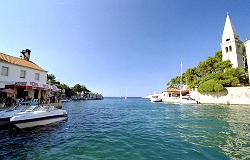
x=38, y=116
x=155, y=98
x=187, y=101
x=64, y=100
x=5, y=115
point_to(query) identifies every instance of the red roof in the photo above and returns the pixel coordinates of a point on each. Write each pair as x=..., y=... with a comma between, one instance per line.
x=18, y=61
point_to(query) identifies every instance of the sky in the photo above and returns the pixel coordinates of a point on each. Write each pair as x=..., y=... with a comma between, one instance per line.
x=114, y=45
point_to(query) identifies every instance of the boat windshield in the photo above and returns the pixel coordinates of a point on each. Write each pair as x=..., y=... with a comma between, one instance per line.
x=31, y=108
x=44, y=108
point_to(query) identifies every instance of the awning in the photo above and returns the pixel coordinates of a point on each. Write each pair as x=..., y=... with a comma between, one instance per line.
x=23, y=85
x=10, y=91
x=36, y=85
x=45, y=86
x=54, y=88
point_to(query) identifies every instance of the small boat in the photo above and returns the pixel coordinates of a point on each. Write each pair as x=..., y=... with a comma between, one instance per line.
x=185, y=101
x=126, y=97
x=155, y=98
x=38, y=116
x=5, y=115
x=64, y=100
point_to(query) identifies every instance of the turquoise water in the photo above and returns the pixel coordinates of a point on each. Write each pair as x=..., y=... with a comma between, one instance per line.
x=135, y=129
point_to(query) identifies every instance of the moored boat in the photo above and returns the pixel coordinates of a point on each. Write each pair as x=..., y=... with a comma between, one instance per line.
x=155, y=98
x=38, y=116
x=5, y=115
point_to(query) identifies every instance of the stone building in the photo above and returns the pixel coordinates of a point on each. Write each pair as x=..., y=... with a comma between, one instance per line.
x=231, y=45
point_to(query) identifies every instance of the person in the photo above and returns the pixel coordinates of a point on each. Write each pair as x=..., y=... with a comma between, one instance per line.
x=8, y=102
x=13, y=102
x=41, y=99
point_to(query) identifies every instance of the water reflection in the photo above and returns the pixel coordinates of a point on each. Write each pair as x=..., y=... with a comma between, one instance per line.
x=21, y=143
x=224, y=127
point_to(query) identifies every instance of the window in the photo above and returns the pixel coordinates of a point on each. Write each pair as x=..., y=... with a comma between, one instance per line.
x=5, y=71
x=230, y=48
x=228, y=39
x=22, y=74
x=226, y=49
x=37, y=76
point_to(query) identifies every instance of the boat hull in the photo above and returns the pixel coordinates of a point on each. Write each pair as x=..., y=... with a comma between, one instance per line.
x=41, y=122
x=4, y=122
x=37, y=118
x=5, y=117
x=156, y=100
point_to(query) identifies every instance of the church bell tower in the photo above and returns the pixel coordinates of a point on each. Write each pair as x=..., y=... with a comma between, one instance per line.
x=231, y=48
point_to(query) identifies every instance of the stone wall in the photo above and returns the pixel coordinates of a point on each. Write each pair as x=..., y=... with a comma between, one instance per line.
x=234, y=95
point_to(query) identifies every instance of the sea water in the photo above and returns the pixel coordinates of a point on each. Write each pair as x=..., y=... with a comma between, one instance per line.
x=136, y=129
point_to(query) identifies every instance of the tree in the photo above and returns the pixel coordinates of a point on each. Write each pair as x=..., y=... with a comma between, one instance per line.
x=211, y=86
x=85, y=90
x=51, y=78
x=190, y=75
x=174, y=82
x=67, y=90
x=77, y=88
x=80, y=88
x=212, y=75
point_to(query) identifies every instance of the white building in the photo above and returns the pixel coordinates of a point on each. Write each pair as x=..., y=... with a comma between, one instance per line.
x=25, y=77
x=247, y=46
x=231, y=48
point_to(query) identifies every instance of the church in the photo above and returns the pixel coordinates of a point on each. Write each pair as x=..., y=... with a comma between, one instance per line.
x=232, y=46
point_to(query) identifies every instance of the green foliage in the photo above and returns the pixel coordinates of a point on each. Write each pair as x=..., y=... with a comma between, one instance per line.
x=174, y=82
x=67, y=90
x=80, y=88
x=211, y=86
x=218, y=55
x=77, y=88
x=85, y=90
x=51, y=78
x=212, y=75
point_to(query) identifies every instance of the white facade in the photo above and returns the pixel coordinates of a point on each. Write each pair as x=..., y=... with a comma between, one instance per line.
x=247, y=45
x=14, y=74
x=231, y=49
x=234, y=95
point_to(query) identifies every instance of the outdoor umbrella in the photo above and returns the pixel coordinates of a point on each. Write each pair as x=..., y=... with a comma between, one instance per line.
x=10, y=91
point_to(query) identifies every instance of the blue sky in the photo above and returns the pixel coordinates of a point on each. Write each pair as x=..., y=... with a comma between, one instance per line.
x=111, y=45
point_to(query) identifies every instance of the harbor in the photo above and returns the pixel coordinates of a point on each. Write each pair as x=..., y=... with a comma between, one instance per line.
x=124, y=80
